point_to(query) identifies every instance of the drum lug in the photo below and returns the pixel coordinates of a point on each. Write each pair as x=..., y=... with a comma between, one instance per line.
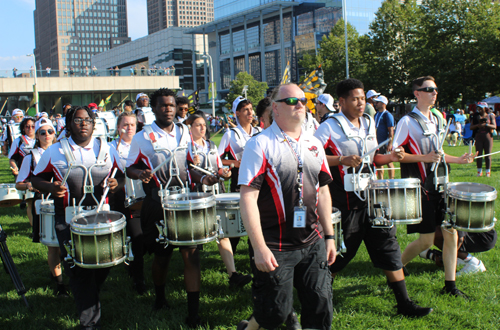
x=380, y=220
x=220, y=231
x=127, y=249
x=161, y=238
x=69, y=257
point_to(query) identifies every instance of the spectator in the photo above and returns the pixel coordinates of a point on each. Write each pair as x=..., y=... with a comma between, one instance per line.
x=117, y=71
x=71, y=71
x=131, y=69
x=87, y=71
x=47, y=70
x=143, y=70
x=369, y=107
x=14, y=72
x=94, y=71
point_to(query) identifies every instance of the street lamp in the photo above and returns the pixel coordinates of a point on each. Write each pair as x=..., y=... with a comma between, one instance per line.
x=205, y=56
x=35, y=92
x=344, y=7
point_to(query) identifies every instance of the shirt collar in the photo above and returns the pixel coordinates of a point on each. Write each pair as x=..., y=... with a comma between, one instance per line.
x=161, y=132
x=75, y=146
x=426, y=119
x=351, y=125
x=281, y=138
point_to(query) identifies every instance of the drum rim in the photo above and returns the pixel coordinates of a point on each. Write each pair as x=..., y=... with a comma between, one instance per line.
x=172, y=202
x=100, y=228
x=487, y=196
x=395, y=183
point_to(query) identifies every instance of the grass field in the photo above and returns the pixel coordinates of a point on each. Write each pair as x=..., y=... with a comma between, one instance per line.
x=362, y=299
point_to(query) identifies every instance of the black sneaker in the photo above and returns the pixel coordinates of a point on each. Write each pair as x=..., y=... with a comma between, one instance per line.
x=242, y=325
x=159, y=305
x=239, y=280
x=61, y=292
x=193, y=322
x=455, y=293
x=292, y=322
x=410, y=309
x=22, y=206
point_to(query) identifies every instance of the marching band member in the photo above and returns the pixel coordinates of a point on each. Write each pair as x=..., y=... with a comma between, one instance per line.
x=126, y=126
x=141, y=101
x=421, y=153
x=204, y=153
x=45, y=136
x=345, y=136
x=233, y=143
x=149, y=149
x=7, y=135
x=86, y=150
x=61, y=122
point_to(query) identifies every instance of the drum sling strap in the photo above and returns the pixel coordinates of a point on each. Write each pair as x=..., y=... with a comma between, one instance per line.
x=239, y=139
x=345, y=126
x=429, y=179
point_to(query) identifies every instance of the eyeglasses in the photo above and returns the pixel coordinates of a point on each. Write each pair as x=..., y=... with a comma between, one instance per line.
x=293, y=100
x=50, y=131
x=428, y=89
x=30, y=126
x=87, y=121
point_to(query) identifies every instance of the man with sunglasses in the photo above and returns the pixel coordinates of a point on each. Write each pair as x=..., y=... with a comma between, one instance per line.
x=421, y=148
x=9, y=134
x=284, y=176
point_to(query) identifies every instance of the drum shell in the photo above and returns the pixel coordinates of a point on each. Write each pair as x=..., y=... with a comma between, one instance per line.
x=100, y=129
x=472, y=206
x=400, y=197
x=48, y=235
x=190, y=219
x=337, y=227
x=134, y=192
x=9, y=195
x=101, y=243
x=228, y=209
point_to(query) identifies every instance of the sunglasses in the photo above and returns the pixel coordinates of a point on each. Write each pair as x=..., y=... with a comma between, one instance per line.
x=17, y=117
x=293, y=100
x=428, y=89
x=50, y=131
x=87, y=121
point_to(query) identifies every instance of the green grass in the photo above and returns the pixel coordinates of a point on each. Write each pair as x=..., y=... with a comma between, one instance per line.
x=362, y=299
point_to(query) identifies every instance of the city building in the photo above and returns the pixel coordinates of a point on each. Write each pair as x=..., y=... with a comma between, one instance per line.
x=261, y=37
x=163, y=14
x=69, y=32
x=166, y=52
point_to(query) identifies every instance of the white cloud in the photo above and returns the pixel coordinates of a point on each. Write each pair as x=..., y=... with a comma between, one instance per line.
x=137, y=18
x=21, y=62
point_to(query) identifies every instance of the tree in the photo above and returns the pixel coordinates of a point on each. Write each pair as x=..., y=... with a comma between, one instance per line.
x=256, y=90
x=389, y=49
x=331, y=55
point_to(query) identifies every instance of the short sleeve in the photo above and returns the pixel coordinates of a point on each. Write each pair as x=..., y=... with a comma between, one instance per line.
x=25, y=170
x=402, y=132
x=224, y=143
x=323, y=134
x=135, y=151
x=389, y=120
x=253, y=165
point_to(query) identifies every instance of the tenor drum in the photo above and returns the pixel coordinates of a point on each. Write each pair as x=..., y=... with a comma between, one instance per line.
x=134, y=194
x=337, y=227
x=190, y=219
x=471, y=206
x=110, y=121
x=228, y=209
x=29, y=194
x=98, y=240
x=398, y=201
x=47, y=224
x=9, y=195
x=100, y=128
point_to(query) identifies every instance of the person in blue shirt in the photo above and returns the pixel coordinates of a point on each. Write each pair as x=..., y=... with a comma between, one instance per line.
x=459, y=117
x=384, y=122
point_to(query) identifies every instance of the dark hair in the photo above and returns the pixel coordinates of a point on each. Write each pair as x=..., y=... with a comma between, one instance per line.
x=71, y=113
x=129, y=103
x=417, y=83
x=262, y=106
x=347, y=85
x=159, y=93
x=24, y=122
x=182, y=100
x=242, y=104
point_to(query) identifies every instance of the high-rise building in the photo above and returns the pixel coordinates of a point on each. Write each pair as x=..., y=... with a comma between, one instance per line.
x=69, y=32
x=168, y=13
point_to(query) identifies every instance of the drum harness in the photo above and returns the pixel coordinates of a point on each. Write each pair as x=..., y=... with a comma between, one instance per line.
x=357, y=181
x=208, y=166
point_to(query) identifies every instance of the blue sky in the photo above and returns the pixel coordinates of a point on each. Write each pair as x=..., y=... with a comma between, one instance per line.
x=17, y=36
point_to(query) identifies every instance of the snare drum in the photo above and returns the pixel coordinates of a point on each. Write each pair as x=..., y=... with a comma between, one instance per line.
x=471, y=206
x=228, y=209
x=98, y=240
x=134, y=194
x=190, y=219
x=47, y=224
x=396, y=201
x=337, y=227
x=9, y=195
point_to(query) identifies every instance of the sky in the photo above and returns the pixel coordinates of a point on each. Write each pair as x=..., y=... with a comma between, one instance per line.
x=17, y=36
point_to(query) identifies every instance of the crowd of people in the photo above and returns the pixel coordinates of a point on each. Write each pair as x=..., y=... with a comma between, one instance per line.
x=289, y=165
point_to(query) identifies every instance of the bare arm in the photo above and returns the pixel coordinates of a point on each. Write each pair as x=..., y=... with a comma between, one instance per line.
x=325, y=218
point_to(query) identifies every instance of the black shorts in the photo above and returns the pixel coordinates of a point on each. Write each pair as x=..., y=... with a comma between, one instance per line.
x=305, y=269
x=381, y=243
x=478, y=242
x=432, y=216
x=152, y=213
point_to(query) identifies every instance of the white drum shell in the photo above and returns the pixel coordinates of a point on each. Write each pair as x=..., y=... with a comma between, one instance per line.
x=47, y=224
x=228, y=209
x=9, y=195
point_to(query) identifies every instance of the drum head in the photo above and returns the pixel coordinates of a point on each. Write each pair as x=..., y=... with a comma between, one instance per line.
x=227, y=197
x=472, y=191
x=93, y=218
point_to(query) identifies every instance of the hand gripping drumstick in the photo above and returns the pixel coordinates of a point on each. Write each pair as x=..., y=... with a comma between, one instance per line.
x=106, y=191
x=163, y=163
x=375, y=149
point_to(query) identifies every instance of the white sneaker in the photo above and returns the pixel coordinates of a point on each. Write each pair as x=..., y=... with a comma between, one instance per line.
x=471, y=268
x=423, y=254
x=460, y=262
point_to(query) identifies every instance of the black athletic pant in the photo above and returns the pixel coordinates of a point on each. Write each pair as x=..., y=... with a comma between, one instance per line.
x=484, y=145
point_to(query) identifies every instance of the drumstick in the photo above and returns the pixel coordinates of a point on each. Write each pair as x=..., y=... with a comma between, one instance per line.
x=106, y=191
x=122, y=131
x=496, y=152
x=375, y=149
x=163, y=163
x=202, y=170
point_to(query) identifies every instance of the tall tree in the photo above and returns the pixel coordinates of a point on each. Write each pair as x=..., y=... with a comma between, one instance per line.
x=331, y=55
x=389, y=49
x=256, y=90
